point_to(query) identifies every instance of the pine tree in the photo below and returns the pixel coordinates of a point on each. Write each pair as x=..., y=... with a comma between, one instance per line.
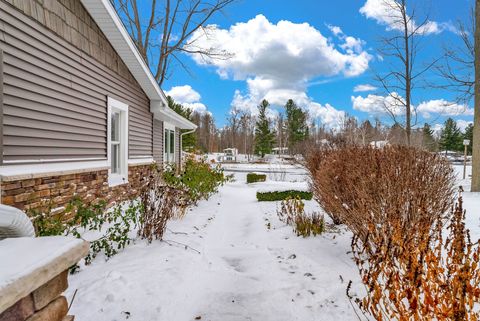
x=264, y=136
x=451, y=136
x=469, y=135
x=428, y=141
x=297, y=127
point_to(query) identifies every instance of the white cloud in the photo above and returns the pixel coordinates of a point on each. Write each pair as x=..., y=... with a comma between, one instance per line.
x=335, y=30
x=385, y=12
x=184, y=94
x=196, y=107
x=364, y=88
x=188, y=97
x=463, y=124
x=327, y=114
x=379, y=105
x=283, y=51
x=263, y=89
x=277, y=61
x=443, y=108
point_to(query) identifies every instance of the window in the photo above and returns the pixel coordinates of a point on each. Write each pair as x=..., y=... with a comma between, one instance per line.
x=117, y=142
x=169, y=144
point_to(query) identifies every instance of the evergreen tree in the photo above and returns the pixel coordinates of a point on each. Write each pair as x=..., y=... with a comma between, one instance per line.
x=397, y=135
x=469, y=135
x=189, y=141
x=428, y=141
x=451, y=136
x=297, y=127
x=264, y=136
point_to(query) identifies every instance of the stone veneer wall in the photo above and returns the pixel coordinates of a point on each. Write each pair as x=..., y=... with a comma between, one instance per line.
x=44, y=304
x=55, y=192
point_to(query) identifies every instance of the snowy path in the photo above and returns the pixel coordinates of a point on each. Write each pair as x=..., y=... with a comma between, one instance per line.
x=250, y=267
x=245, y=271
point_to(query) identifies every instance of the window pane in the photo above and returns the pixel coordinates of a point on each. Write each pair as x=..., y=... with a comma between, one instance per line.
x=165, y=141
x=172, y=142
x=115, y=166
x=115, y=119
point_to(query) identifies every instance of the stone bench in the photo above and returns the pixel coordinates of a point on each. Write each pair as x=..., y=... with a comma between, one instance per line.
x=33, y=276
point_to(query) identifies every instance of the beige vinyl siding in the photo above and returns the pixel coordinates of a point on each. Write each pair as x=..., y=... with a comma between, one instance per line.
x=158, y=141
x=55, y=97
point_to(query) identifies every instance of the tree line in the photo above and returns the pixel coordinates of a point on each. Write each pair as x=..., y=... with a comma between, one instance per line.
x=292, y=132
x=251, y=134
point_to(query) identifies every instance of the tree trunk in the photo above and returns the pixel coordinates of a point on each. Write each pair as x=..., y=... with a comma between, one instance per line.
x=408, y=79
x=476, y=122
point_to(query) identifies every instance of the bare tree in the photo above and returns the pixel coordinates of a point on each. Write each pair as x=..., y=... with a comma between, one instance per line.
x=462, y=72
x=233, y=120
x=458, y=68
x=401, y=46
x=162, y=30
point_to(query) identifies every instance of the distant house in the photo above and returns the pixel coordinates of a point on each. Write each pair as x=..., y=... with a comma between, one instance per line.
x=379, y=143
x=81, y=114
x=280, y=151
x=230, y=155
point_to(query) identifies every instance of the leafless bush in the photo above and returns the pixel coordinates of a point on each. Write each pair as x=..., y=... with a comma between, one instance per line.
x=427, y=278
x=289, y=209
x=160, y=203
x=292, y=212
x=363, y=187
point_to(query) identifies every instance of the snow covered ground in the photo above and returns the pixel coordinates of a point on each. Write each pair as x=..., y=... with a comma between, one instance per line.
x=240, y=263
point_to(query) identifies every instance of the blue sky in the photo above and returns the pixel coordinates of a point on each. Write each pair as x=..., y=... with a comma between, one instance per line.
x=321, y=80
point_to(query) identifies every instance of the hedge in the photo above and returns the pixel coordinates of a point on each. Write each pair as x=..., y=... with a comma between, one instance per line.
x=254, y=178
x=282, y=195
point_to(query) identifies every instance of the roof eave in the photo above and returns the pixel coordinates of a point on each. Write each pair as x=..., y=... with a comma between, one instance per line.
x=165, y=113
x=111, y=25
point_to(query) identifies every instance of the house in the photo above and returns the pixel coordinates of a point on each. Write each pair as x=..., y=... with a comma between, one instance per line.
x=81, y=113
x=230, y=155
x=280, y=151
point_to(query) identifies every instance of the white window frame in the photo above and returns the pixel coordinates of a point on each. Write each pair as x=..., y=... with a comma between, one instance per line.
x=169, y=127
x=117, y=106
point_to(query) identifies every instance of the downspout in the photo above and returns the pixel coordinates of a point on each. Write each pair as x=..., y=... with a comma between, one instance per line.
x=181, y=145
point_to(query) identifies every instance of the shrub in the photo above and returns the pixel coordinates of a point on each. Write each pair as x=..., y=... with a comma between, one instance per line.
x=290, y=208
x=199, y=178
x=114, y=224
x=292, y=212
x=160, y=203
x=363, y=186
x=255, y=178
x=432, y=278
x=283, y=195
x=150, y=211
